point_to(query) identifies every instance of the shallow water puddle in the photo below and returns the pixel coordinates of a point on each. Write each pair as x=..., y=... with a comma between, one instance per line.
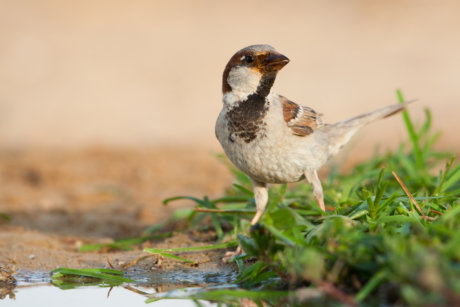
x=85, y=296
x=171, y=288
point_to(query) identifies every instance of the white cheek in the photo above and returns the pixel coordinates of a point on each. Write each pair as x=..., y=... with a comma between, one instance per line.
x=244, y=81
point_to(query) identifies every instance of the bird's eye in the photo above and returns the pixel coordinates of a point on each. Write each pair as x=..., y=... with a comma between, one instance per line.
x=249, y=59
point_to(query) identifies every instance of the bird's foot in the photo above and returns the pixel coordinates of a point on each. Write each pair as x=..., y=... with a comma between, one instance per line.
x=230, y=255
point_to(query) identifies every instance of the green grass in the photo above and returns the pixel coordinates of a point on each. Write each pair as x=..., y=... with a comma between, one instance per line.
x=167, y=252
x=381, y=241
x=67, y=278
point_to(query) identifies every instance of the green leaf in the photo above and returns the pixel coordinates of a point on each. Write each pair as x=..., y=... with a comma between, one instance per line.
x=243, y=189
x=249, y=246
x=104, y=274
x=282, y=236
x=190, y=249
x=171, y=256
x=370, y=286
x=194, y=199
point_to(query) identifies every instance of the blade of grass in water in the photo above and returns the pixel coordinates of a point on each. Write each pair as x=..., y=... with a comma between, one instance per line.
x=104, y=274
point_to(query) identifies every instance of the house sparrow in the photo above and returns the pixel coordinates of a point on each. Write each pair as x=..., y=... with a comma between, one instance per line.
x=269, y=137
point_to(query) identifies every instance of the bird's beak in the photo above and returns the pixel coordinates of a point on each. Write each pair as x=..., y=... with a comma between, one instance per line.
x=275, y=61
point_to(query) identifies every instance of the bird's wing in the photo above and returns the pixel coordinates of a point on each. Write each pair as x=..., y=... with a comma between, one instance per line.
x=302, y=120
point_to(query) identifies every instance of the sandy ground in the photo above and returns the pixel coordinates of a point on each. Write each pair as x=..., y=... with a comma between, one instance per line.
x=58, y=200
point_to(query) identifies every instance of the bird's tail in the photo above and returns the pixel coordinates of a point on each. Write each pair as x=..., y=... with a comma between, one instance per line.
x=340, y=133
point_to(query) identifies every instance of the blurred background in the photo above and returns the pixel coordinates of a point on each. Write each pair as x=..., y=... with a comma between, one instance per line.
x=148, y=73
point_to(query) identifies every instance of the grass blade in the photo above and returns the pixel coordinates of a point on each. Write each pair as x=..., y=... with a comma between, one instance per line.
x=413, y=136
x=171, y=256
x=190, y=249
x=370, y=286
x=104, y=274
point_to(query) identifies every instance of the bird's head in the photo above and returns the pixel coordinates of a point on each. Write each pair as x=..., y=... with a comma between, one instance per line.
x=252, y=70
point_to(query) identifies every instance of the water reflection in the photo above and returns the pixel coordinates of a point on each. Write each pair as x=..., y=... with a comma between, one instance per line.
x=168, y=288
x=36, y=289
x=47, y=295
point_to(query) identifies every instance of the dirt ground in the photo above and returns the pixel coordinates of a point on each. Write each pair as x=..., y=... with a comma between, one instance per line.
x=59, y=200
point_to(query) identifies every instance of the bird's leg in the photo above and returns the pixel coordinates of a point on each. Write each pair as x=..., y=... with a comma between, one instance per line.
x=261, y=198
x=312, y=177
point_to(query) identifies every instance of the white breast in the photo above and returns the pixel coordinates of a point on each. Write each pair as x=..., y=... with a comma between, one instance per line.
x=278, y=156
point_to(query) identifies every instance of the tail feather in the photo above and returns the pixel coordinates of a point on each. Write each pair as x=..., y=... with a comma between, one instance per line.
x=340, y=133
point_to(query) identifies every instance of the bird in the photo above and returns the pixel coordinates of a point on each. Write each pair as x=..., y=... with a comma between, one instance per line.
x=272, y=139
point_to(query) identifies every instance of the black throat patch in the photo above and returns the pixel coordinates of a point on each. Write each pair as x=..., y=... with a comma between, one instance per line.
x=245, y=120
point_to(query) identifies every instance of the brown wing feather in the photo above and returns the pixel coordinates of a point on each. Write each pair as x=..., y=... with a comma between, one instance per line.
x=302, y=120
